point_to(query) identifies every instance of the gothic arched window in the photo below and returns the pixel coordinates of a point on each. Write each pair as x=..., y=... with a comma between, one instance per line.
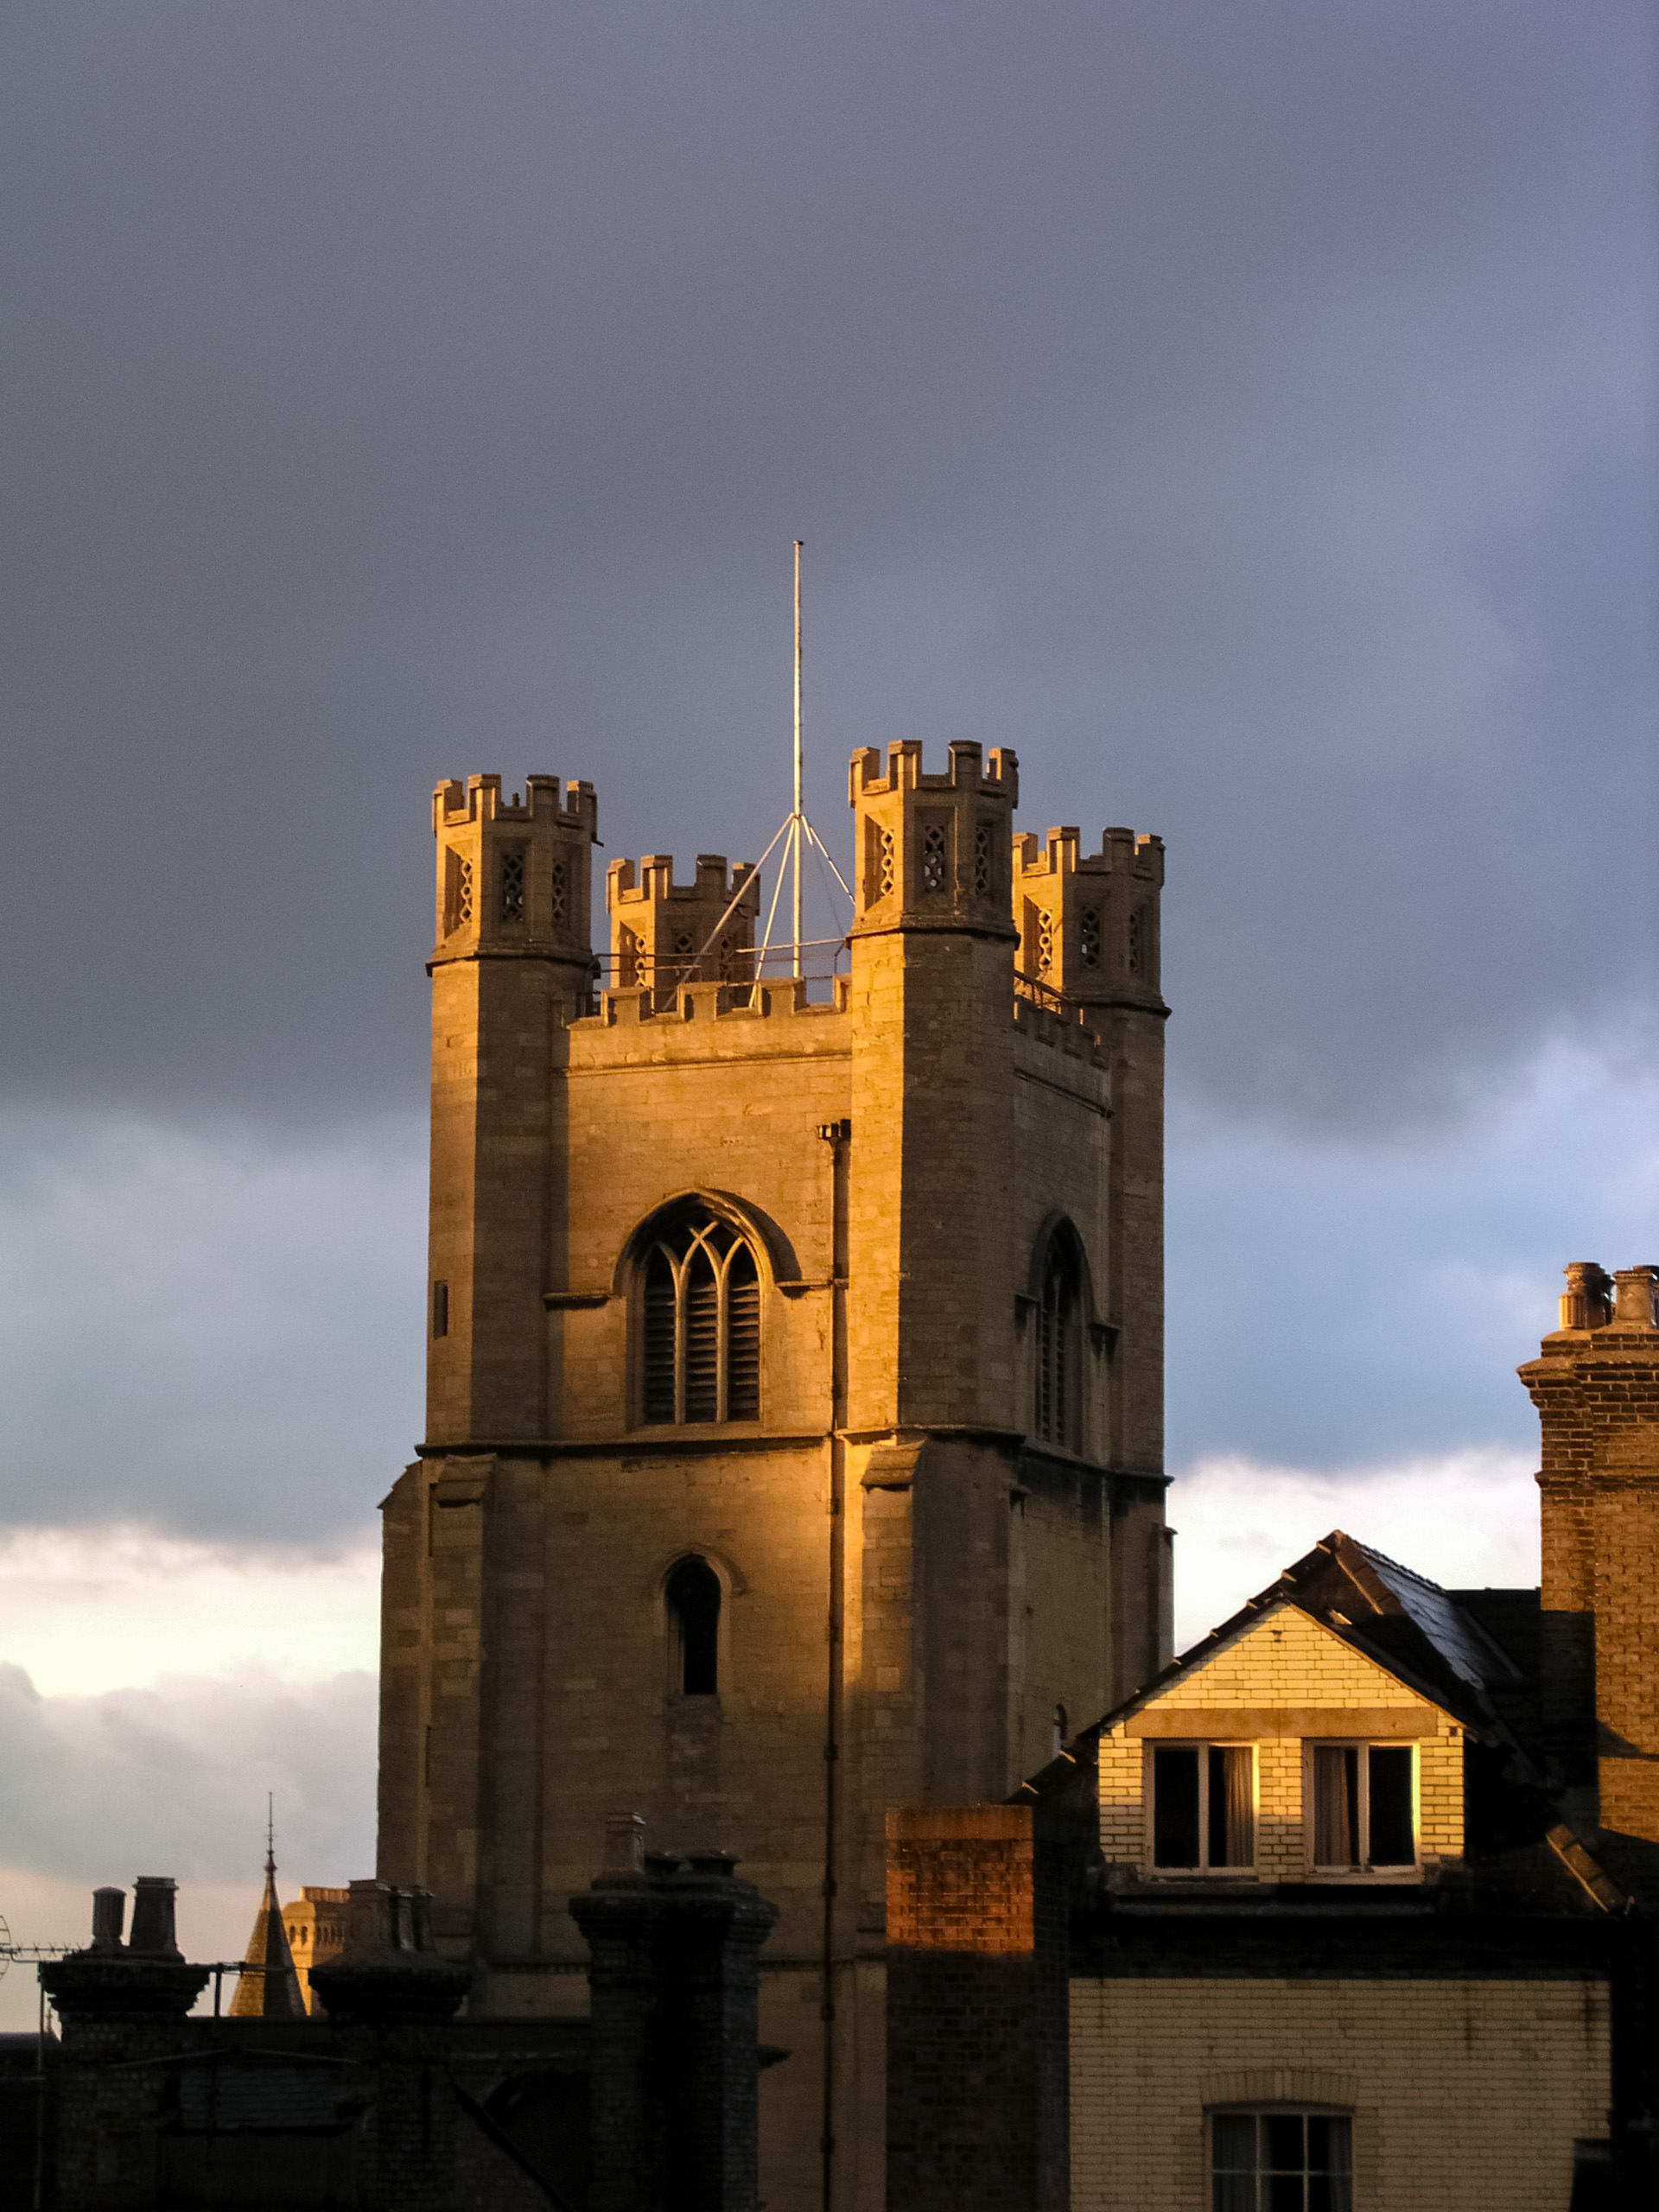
x=700, y=1323
x=693, y=1596
x=1056, y=1416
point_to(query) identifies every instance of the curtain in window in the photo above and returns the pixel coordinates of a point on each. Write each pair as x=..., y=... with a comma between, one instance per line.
x=1241, y=1806
x=1336, y=1805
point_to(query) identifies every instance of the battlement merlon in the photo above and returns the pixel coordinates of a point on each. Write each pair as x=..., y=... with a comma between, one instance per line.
x=479, y=799
x=1121, y=852
x=904, y=772
x=514, y=875
x=933, y=851
x=657, y=882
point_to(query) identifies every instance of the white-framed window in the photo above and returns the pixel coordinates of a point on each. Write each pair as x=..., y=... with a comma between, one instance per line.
x=1363, y=1806
x=1278, y=2158
x=1202, y=1807
x=699, y=1323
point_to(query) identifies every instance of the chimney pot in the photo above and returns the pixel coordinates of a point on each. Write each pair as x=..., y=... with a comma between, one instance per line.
x=108, y=1912
x=153, y=1933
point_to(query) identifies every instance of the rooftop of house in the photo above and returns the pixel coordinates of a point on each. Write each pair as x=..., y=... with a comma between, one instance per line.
x=1473, y=1653
x=1436, y=1642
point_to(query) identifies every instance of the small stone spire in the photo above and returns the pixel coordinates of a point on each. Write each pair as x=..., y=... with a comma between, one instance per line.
x=274, y=1994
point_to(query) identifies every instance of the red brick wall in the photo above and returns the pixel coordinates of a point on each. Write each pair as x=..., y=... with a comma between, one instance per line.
x=976, y=2012
x=1597, y=1392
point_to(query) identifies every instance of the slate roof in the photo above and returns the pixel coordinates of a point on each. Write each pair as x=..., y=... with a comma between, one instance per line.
x=1397, y=1619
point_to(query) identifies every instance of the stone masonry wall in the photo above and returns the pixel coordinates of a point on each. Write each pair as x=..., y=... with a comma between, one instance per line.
x=1461, y=2091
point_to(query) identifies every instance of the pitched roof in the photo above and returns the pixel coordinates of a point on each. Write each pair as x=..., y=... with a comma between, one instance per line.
x=274, y=1992
x=1398, y=1619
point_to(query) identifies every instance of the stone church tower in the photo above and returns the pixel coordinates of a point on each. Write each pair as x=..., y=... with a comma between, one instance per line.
x=794, y=1441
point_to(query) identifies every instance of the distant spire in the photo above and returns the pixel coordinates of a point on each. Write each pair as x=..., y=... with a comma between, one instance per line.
x=273, y=1994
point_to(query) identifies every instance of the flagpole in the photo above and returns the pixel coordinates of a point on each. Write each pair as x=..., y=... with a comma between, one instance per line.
x=795, y=835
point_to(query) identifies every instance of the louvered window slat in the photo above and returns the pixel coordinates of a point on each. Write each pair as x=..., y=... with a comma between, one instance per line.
x=700, y=1324
x=702, y=1295
x=659, y=1338
x=742, y=1337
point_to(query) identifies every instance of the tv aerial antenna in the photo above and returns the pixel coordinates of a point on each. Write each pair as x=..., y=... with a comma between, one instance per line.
x=794, y=834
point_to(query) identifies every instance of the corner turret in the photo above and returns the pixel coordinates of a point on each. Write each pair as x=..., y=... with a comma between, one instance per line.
x=933, y=850
x=514, y=877
x=1089, y=925
x=659, y=928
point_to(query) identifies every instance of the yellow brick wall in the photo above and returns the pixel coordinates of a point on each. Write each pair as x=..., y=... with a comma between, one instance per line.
x=1287, y=1661
x=1463, y=2093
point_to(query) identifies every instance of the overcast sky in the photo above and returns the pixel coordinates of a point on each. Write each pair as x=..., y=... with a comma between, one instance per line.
x=1242, y=409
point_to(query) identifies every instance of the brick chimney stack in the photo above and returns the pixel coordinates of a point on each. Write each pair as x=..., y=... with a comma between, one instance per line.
x=1596, y=1386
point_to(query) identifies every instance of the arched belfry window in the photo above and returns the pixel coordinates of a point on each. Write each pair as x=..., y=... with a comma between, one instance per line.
x=693, y=1595
x=700, y=1323
x=1056, y=1415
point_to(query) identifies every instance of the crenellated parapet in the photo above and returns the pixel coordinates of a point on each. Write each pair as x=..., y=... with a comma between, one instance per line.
x=514, y=875
x=1088, y=924
x=933, y=851
x=666, y=935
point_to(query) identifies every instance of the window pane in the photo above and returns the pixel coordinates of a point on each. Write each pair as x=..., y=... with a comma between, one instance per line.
x=1336, y=1804
x=659, y=1337
x=1175, y=1806
x=742, y=1337
x=1285, y=2193
x=702, y=1340
x=1232, y=1788
x=1327, y=2143
x=1216, y=1810
x=1233, y=2193
x=1390, y=1777
x=1283, y=2133
x=1232, y=2143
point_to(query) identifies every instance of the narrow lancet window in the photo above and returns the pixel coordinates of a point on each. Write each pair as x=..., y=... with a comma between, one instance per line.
x=693, y=1594
x=1058, y=1406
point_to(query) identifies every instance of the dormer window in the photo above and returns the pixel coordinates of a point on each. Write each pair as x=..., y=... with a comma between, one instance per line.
x=1202, y=1807
x=1363, y=1810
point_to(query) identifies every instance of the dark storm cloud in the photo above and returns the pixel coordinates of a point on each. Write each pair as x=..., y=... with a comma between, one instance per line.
x=1241, y=409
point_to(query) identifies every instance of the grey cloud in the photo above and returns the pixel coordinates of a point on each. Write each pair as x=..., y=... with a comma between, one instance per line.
x=1342, y=1303
x=205, y=1330
x=175, y=1779
x=1244, y=411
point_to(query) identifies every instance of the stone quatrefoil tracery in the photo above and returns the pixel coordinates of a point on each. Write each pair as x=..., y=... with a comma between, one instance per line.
x=1089, y=937
x=885, y=863
x=561, y=893
x=934, y=869
x=512, y=886
x=700, y=1324
x=1045, y=942
x=982, y=860
x=464, y=893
